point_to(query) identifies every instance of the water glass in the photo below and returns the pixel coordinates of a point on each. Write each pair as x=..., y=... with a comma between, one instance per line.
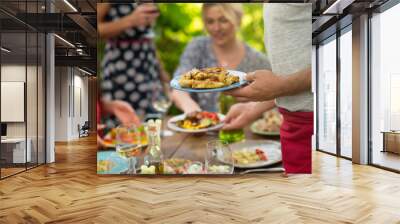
x=128, y=145
x=219, y=159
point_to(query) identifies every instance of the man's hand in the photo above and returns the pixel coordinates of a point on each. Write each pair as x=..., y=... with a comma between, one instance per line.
x=242, y=114
x=238, y=116
x=265, y=85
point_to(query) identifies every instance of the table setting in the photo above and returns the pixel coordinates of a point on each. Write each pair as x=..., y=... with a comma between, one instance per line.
x=194, y=143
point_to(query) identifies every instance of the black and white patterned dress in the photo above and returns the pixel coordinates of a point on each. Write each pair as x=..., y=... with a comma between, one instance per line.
x=130, y=66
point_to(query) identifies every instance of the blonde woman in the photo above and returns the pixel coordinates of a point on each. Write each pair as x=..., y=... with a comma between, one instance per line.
x=220, y=48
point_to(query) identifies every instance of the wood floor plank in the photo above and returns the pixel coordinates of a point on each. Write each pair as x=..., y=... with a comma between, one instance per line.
x=70, y=191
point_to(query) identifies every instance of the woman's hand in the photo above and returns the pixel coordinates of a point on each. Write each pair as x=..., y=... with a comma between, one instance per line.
x=122, y=110
x=184, y=102
x=124, y=113
x=194, y=107
x=143, y=15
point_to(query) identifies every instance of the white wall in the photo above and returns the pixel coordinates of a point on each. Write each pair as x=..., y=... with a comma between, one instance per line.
x=33, y=127
x=71, y=93
x=61, y=103
x=81, y=100
x=15, y=73
x=50, y=96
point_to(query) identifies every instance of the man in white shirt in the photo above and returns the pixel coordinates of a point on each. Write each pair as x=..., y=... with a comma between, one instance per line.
x=287, y=38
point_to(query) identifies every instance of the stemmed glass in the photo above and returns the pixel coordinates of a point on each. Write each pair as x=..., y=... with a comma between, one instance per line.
x=129, y=145
x=219, y=159
x=161, y=102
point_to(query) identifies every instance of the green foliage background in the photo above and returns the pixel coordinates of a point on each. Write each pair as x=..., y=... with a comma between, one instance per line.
x=180, y=22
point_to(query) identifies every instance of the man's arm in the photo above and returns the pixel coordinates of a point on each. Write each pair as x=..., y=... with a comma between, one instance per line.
x=298, y=82
x=265, y=85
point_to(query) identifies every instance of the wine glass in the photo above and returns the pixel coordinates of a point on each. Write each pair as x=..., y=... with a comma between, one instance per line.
x=219, y=159
x=161, y=102
x=129, y=145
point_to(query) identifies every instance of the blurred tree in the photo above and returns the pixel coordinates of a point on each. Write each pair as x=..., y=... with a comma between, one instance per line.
x=174, y=29
x=180, y=22
x=252, y=29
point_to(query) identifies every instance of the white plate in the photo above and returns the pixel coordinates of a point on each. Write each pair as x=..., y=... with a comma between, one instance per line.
x=255, y=130
x=272, y=149
x=172, y=125
x=242, y=81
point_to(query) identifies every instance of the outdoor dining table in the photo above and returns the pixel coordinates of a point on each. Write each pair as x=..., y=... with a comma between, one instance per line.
x=192, y=147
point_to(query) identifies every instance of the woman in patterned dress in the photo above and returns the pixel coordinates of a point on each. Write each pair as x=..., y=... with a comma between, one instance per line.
x=130, y=65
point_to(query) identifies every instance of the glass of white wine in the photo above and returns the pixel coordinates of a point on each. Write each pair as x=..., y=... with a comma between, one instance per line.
x=128, y=145
x=161, y=102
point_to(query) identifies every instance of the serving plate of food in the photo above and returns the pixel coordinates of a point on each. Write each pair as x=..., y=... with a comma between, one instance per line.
x=196, y=122
x=213, y=79
x=256, y=153
x=268, y=125
x=139, y=137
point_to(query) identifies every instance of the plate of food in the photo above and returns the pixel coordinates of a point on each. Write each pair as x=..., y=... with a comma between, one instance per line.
x=196, y=122
x=139, y=137
x=108, y=162
x=269, y=124
x=213, y=79
x=256, y=153
x=182, y=166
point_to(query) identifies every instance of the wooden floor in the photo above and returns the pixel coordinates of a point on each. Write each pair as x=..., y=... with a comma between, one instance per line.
x=387, y=159
x=69, y=191
x=5, y=172
x=10, y=171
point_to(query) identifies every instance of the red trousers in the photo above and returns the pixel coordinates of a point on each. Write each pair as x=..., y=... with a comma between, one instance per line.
x=296, y=132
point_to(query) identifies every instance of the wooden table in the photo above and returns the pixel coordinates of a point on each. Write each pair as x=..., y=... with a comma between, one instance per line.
x=194, y=146
x=190, y=145
x=391, y=141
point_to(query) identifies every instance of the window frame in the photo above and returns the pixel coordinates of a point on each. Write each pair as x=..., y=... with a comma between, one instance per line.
x=379, y=10
x=43, y=51
x=334, y=37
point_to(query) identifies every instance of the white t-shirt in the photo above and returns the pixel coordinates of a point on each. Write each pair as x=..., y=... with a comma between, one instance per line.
x=288, y=39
